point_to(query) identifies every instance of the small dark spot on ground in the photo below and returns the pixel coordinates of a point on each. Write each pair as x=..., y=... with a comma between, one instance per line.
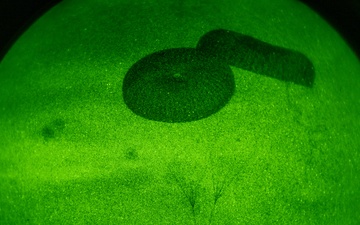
x=53, y=129
x=47, y=132
x=131, y=154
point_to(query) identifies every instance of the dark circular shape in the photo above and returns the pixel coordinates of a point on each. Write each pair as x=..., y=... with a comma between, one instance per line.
x=177, y=85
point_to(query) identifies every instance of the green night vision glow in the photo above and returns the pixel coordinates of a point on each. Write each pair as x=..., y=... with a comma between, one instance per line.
x=191, y=112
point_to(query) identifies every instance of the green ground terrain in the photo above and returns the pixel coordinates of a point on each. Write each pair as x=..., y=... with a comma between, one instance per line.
x=71, y=152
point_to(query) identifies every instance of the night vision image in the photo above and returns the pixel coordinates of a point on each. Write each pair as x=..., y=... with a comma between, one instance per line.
x=180, y=112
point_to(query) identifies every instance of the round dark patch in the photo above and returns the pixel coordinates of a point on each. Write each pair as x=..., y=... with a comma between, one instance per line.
x=177, y=85
x=47, y=132
x=53, y=129
x=131, y=154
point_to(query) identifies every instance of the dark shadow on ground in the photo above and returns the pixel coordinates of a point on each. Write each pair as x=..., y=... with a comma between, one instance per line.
x=177, y=85
x=251, y=54
x=188, y=84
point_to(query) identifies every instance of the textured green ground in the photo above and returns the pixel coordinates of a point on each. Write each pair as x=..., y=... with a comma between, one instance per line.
x=71, y=152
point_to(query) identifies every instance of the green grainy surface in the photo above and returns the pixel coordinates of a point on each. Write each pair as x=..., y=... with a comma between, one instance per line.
x=71, y=152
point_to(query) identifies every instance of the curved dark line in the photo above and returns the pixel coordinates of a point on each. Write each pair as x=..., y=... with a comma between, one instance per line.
x=19, y=16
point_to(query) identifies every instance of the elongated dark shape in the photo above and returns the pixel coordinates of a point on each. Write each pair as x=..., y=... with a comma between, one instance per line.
x=251, y=54
x=188, y=84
